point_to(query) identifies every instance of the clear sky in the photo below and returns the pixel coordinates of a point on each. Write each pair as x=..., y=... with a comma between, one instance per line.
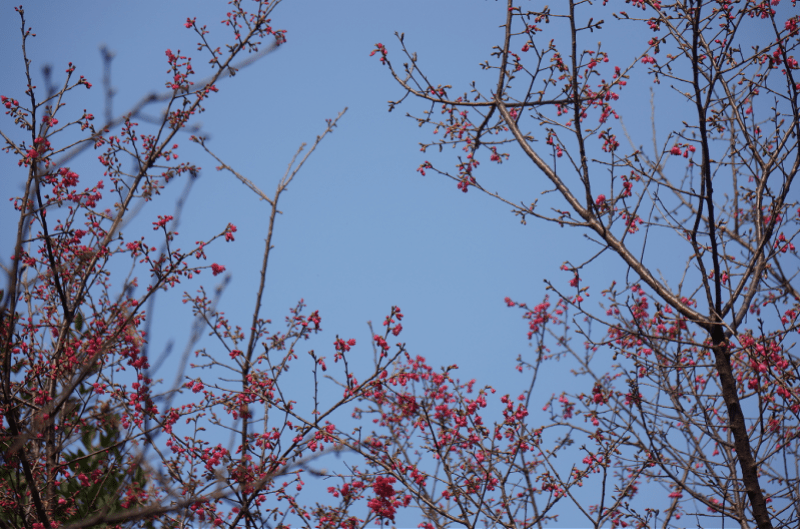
x=361, y=229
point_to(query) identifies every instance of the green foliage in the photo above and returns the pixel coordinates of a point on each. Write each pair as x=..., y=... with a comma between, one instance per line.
x=97, y=476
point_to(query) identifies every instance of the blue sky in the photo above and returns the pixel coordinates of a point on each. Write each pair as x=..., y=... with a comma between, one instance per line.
x=361, y=229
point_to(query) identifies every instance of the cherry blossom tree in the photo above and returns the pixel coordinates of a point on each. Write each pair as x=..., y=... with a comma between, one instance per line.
x=685, y=402
x=89, y=438
x=690, y=391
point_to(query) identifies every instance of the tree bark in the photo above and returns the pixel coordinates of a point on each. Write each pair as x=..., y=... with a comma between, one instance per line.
x=739, y=429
